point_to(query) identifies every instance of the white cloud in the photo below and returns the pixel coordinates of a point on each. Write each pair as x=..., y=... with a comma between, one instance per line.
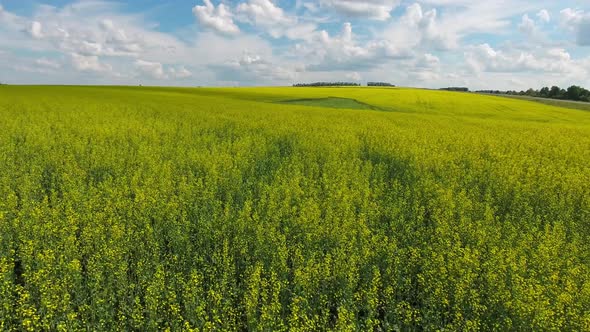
x=253, y=69
x=424, y=45
x=571, y=17
x=420, y=29
x=544, y=16
x=372, y=9
x=13, y=23
x=441, y=25
x=579, y=22
x=120, y=39
x=354, y=76
x=225, y=49
x=344, y=52
x=36, y=30
x=264, y=13
x=44, y=62
x=43, y=66
x=428, y=61
x=429, y=27
x=95, y=37
x=273, y=20
x=484, y=58
x=152, y=69
x=311, y=7
x=303, y=31
x=32, y=69
x=93, y=28
x=89, y=63
x=180, y=72
x=527, y=25
x=158, y=71
x=559, y=54
x=425, y=68
x=535, y=28
x=219, y=19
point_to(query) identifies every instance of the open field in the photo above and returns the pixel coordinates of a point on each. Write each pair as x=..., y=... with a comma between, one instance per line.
x=579, y=105
x=274, y=209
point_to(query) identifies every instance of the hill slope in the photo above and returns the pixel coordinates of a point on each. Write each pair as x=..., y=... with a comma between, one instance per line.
x=227, y=209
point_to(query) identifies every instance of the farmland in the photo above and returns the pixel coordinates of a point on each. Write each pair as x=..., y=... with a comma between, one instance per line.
x=302, y=209
x=581, y=105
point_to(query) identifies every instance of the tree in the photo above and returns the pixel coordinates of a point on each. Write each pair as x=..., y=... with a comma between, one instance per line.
x=454, y=88
x=379, y=84
x=555, y=92
x=574, y=92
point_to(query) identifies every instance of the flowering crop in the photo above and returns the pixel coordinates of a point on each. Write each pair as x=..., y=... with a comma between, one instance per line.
x=229, y=209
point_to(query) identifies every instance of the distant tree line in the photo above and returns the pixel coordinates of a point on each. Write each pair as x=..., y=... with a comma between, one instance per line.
x=454, y=88
x=323, y=84
x=379, y=84
x=574, y=92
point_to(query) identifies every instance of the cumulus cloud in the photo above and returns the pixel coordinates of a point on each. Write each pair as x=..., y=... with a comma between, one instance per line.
x=571, y=17
x=43, y=66
x=579, y=22
x=441, y=25
x=264, y=13
x=36, y=30
x=544, y=16
x=343, y=52
x=157, y=70
x=94, y=37
x=372, y=9
x=152, y=69
x=428, y=61
x=47, y=63
x=9, y=20
x=254, y=69
x=533, y=28
x=89, y=63
x=90, y=28
x=311, y=7
x=419, y=29
x=219, y=19
x=422, y=44
x=428, y=26
x=32, y=69
x=354, y=76
x=273, y=20
x=484, y=58
x=119, y=38
x=527, y=25
x=180, y=72
x=425, y=68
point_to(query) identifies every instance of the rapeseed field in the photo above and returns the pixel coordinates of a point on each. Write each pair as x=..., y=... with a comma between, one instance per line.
x=291, y=209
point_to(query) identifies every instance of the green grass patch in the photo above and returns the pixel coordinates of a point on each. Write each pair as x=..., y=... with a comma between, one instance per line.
x=332, y=102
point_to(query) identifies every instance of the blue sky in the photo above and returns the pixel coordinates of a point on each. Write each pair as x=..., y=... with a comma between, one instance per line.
x=503, y=44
